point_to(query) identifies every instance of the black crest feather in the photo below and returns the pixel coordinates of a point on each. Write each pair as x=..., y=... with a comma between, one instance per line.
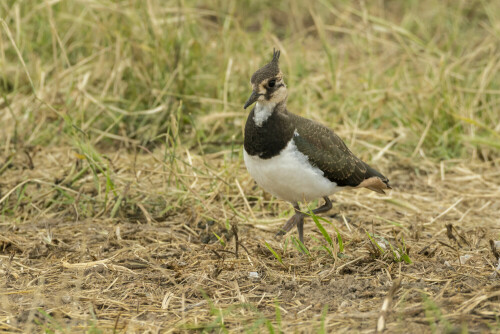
x=268, y=71
x=276, y=55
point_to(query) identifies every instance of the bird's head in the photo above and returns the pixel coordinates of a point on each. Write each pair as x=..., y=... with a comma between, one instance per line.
x=267, y=83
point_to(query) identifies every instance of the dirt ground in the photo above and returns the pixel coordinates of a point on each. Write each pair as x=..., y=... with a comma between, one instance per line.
x=157, y=266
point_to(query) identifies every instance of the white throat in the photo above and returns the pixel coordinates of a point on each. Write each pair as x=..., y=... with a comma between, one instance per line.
x=262, y=112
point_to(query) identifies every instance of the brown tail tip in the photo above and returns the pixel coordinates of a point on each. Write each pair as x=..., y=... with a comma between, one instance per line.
x=376, y=184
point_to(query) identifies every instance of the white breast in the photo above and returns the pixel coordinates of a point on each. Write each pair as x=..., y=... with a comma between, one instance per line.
x=289, y=176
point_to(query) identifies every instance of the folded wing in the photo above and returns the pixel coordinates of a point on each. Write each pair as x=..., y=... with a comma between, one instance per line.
x=329, y=153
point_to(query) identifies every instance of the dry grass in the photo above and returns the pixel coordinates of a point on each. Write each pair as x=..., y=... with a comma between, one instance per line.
x=125, y=205
x=146, y=271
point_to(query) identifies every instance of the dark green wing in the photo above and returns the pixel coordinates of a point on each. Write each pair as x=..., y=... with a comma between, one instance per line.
x=328, y=152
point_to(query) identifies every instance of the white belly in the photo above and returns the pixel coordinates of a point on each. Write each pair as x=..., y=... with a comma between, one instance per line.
x=289, y=176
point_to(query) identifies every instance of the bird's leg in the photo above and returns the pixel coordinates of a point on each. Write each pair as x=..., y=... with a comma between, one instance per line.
x=296, y=220
x=325, y=207
x=322, y=209
x=300, y=229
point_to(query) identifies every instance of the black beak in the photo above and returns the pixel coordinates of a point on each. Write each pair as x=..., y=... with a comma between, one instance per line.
x=251, y=99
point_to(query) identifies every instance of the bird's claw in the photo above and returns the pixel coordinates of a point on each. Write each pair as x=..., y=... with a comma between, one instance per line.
x=291, y=223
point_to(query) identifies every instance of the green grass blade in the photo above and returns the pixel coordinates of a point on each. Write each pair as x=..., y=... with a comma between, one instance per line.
x=300, y=246
x=222, y=242
x=340, y=240
x=374, y=242
x=276, y=255
x=277, y=310
x=322, y=229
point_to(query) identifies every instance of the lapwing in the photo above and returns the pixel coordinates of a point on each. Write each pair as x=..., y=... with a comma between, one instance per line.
x=294, y=158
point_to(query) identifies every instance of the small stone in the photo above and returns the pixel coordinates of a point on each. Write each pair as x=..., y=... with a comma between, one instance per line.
x=345, y=304
x=465, y=258
x=253, y=274
x=66, y=299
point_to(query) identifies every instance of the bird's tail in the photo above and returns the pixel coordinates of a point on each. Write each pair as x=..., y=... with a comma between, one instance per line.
x=374, y=180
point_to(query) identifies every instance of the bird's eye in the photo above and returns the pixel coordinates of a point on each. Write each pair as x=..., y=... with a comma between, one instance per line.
x=271, y=83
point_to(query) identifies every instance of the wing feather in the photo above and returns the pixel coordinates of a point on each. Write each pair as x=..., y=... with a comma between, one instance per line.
x=330, y=154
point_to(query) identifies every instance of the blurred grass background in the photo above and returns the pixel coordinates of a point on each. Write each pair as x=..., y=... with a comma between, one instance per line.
x=420, y=75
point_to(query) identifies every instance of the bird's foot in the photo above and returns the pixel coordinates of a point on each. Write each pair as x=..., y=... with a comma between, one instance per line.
x=296, y=220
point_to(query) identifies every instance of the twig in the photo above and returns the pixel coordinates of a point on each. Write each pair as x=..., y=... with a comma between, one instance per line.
x=234, y=227
x=385, y=305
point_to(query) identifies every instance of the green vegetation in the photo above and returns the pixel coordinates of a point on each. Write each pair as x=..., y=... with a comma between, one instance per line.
x=105, y=74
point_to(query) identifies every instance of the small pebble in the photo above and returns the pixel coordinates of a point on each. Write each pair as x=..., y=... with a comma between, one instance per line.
x=253, y=274
x=345, y=304
x=66, y=299
x=465, y=258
